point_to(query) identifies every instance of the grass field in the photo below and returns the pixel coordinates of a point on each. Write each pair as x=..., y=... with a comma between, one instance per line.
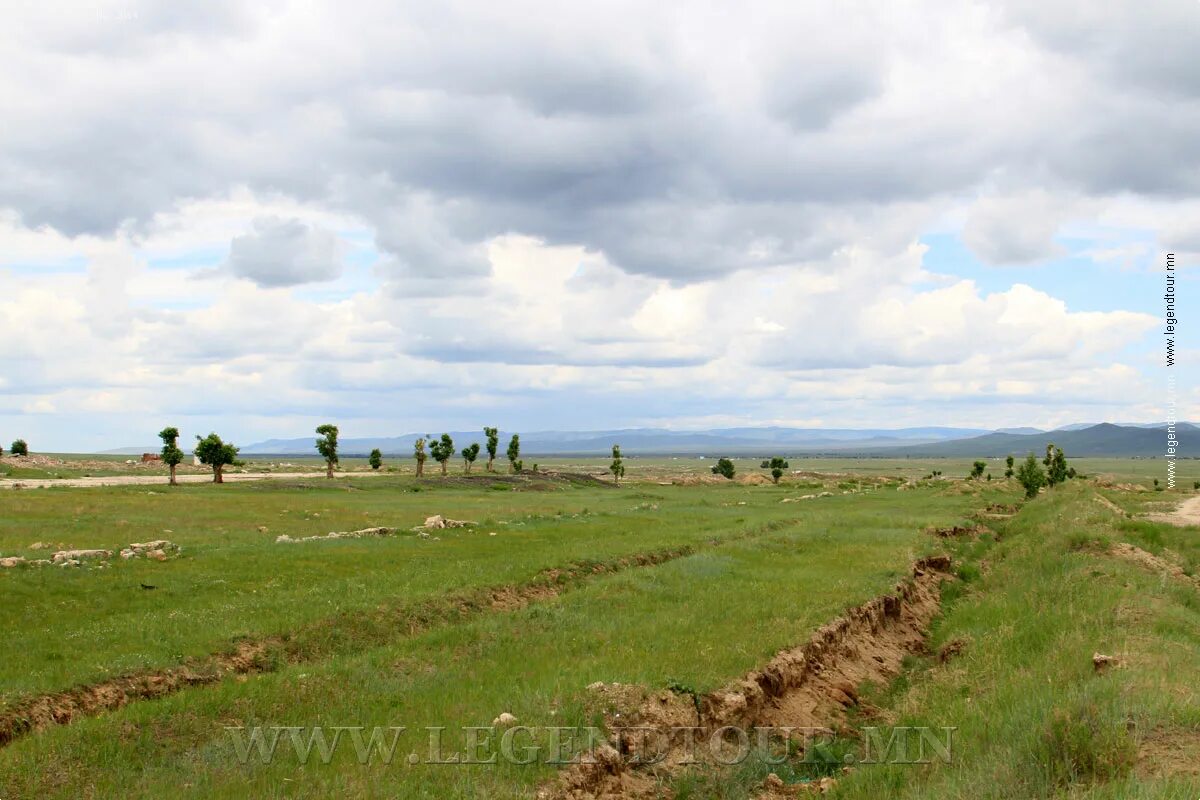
x=659, y=586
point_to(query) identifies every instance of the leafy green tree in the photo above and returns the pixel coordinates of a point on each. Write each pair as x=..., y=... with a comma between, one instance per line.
x=617, y=468
x=977, y=469
x=493, y=441
x=172, y=455
x=216, y=454
x=420, y=455
x=327, y=446
x=777, y=465
x=1056, y=465
x=375, y=459
x=1008, y=463
x=442, y=450
x=1031, y=476
x=19, y=448
x=514, y=453
x=469, y=455
x=723, y=467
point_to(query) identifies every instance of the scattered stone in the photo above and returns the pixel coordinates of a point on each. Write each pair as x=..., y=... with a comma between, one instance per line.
x=40, y=546
x=76, y=556
x=505, y=720
x=1101, y=662
x=12, y=561
x=158, y=550
x=283, y=538
x=262, y=529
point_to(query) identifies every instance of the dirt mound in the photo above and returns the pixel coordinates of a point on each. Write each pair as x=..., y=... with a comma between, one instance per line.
x=960, y=531
x=753, y=479
x=1111, y=506
x=807, y=687
x=1147, y=560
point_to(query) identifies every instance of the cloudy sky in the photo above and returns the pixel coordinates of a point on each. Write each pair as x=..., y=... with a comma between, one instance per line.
x=414, y=216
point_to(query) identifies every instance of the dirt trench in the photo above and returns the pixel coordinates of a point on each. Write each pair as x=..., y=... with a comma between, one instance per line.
x=271, y=653
x=808, y=687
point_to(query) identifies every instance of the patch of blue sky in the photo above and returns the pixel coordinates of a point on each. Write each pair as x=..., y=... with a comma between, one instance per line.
x=1081, y=277
x=61, y=266
x=192, y=259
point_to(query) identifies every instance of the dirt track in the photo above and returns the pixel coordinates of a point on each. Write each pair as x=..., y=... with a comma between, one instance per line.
x=161, y=480
x=1188, y=513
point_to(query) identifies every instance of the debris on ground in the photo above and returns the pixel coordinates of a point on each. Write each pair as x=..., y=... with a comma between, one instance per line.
x=157, y=550
x=960, y=531
x=283, y=538
x=1101, y=662
x=437, y=522
x=73, y=558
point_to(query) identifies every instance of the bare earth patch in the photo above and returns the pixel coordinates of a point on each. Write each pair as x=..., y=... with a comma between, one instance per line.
x=1165, y=753
x=1188, y=513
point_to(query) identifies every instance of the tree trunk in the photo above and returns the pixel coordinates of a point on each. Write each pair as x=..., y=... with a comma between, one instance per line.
x=173, y=475
x=443, y=467
x=218, y=477
x=489, y=467
x=329, y=469
x=420, y=468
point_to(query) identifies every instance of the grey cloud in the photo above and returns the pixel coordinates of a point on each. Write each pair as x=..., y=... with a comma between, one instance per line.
x=285, y=252
x=671, y=146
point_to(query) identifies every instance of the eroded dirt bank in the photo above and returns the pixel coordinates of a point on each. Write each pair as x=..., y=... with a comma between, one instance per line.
x=808, y=687
x=271, y=653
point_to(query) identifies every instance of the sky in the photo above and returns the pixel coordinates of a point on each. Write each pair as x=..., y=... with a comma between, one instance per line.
x=413, y=216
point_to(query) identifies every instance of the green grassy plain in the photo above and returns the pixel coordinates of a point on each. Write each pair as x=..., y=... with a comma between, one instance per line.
x=380, y=631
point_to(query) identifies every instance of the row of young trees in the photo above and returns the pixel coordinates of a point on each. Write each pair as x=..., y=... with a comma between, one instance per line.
x=442, y=449
x=212, y=451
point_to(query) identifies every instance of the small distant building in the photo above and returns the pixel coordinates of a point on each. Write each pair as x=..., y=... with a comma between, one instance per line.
x=148, y=458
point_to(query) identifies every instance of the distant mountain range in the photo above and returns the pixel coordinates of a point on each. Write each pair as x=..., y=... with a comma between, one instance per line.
x=1104, y=439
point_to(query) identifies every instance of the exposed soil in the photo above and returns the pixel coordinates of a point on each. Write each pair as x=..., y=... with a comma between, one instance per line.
x=809, y=687
x=273, y=652
x=1166, y=753
x=1151, y=562
x=1111, y=506
x=960, y=531
x=1188, y=513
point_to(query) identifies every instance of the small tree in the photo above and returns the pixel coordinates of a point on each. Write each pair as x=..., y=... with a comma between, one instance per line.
x=723, y=467
x=977, y=470
x=1056, y=465
x=171, y=454
x=777, y=465
x=327, y=446
x=617, y=468
x=1008, y=463
x=1031, y=476
x=514, y=453
x=442, y=450
x=469, y=455
x=493, y=441
x=375, y=459
x=216, y=454
x=19, y=448
x=420, y=455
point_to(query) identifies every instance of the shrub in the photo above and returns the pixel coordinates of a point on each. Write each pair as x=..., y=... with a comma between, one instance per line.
x=723, y=467
x=977, y=470
x=375, y=459
x=777, y=465
x=1031, y=476
x=19, y=448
